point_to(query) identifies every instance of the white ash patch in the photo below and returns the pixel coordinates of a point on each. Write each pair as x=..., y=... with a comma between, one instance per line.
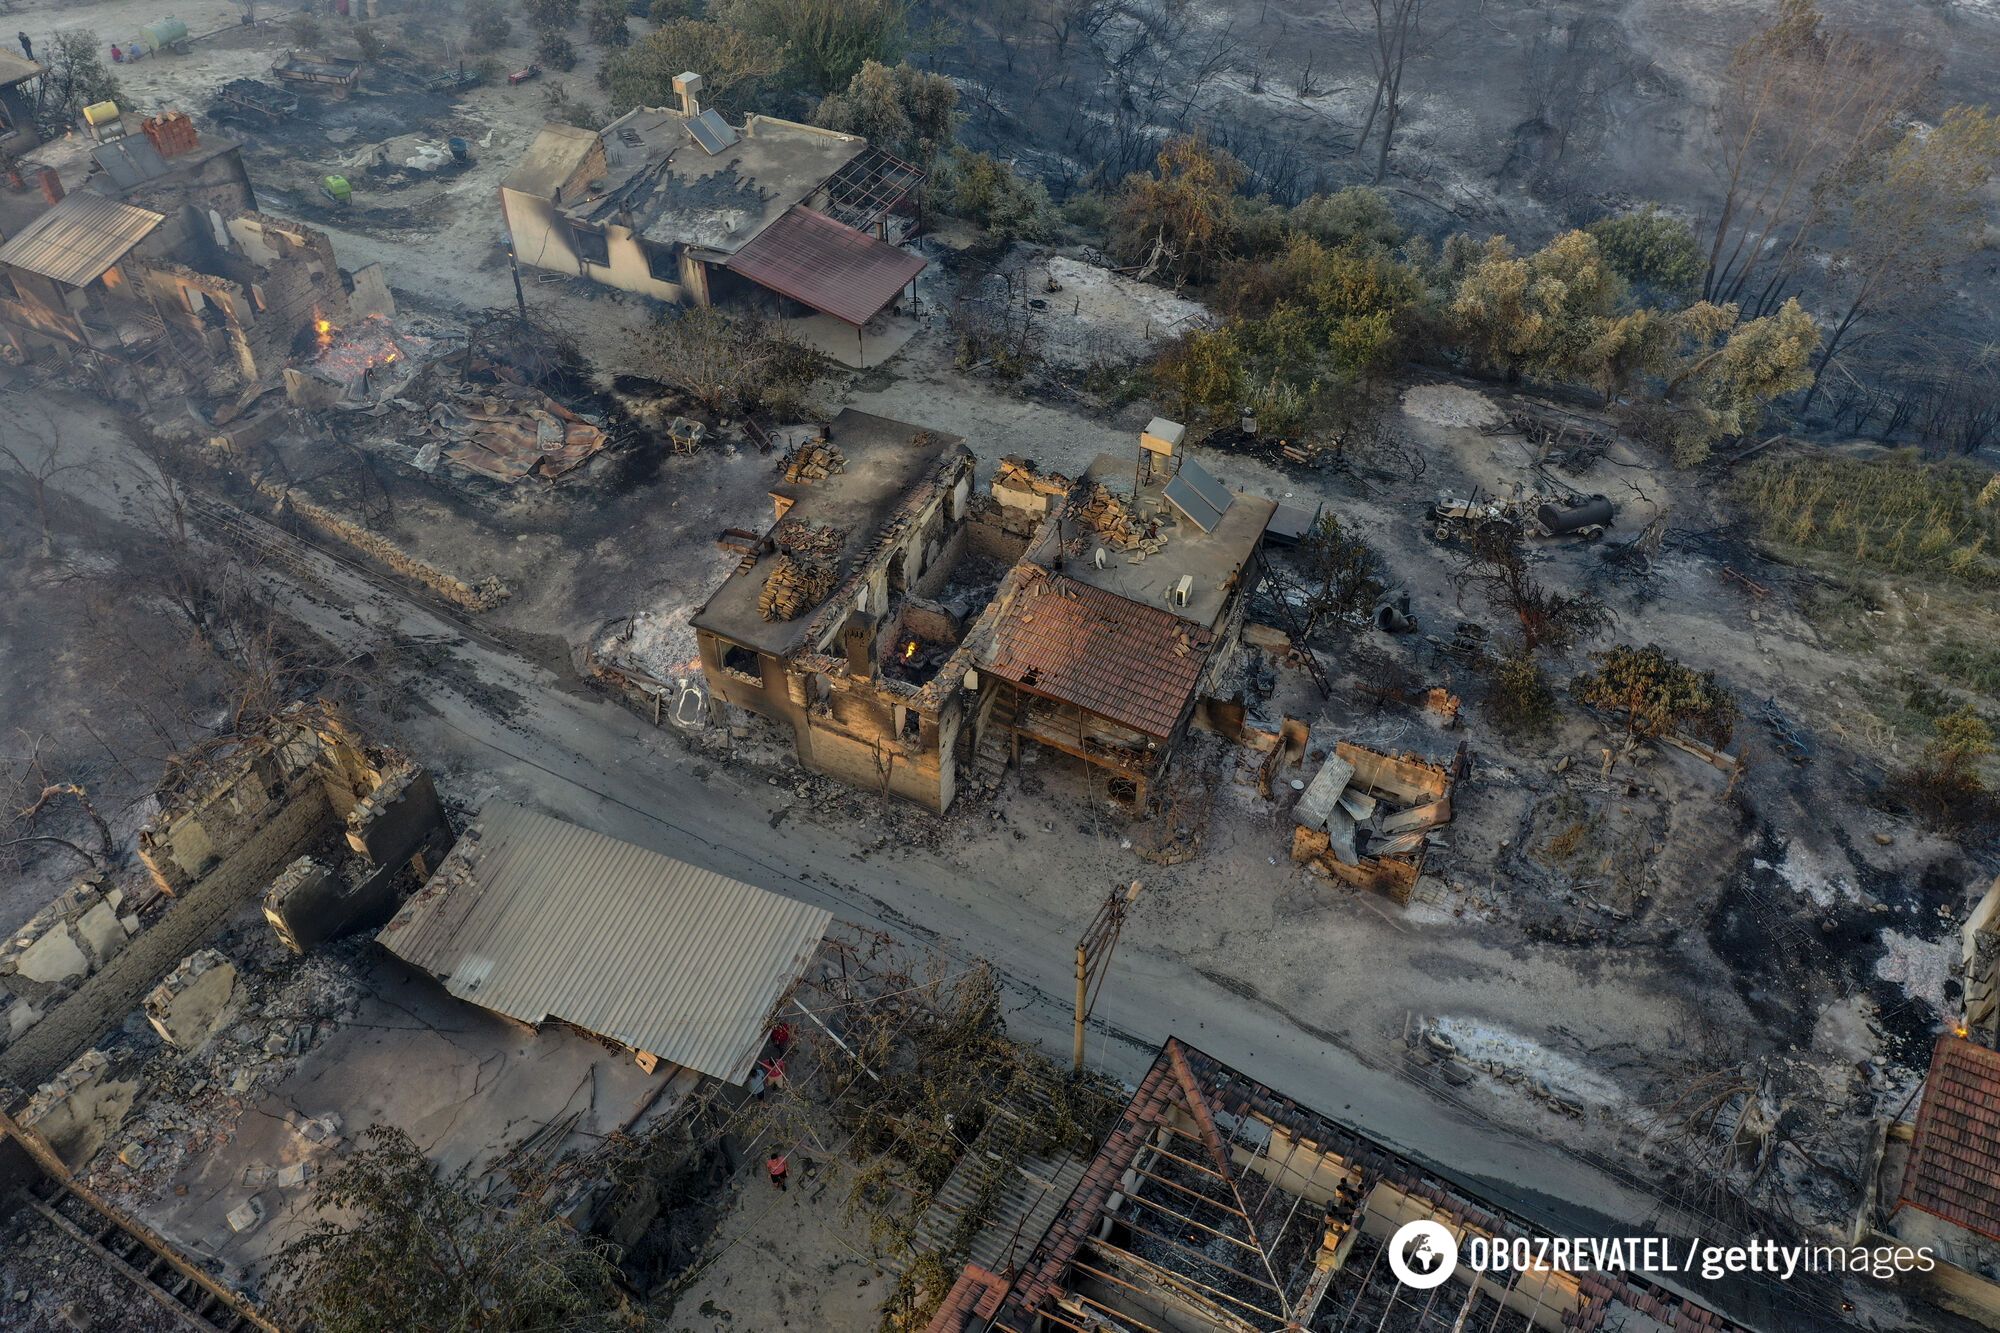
x=1450, y=405
x=1501, y=1052
x=1917, y=966
x=1099, y=316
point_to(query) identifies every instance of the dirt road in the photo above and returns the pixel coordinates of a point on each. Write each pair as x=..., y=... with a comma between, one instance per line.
x=495, y=724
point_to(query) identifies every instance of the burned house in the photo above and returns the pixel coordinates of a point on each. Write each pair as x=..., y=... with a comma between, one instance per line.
x=173, y=276
x=914, y=635
x=17, y=105
x=680, y=205
x=1218, y=1203
x=545, y=921
x=1128, y=605
x=1937, y=1184
x=832, y=623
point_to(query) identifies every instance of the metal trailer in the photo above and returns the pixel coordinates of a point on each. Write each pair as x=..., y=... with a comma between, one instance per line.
x=334, y=72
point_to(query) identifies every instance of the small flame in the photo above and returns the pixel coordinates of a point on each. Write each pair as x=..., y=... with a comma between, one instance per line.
x=389, y=360
x=909, y=650
x=324, y=329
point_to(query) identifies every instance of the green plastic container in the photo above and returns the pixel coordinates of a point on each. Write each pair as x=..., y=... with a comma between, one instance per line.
x=158, y=36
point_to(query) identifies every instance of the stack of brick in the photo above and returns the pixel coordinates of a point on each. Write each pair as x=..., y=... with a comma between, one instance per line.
x=172, y=134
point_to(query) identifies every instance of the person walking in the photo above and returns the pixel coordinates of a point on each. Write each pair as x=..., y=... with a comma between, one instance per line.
x=776, y=1165
x=27, y=47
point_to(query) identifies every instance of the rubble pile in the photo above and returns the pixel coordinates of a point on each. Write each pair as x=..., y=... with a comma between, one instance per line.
x=58, y=948
x=815, y=460
x=1115, y=524
x=274, y=1019
x=1367, y=818
x=820, y=542
x=505, y=431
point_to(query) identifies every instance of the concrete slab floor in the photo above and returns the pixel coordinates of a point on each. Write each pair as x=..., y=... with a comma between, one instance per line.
x=862, y=349
x=463, y=1082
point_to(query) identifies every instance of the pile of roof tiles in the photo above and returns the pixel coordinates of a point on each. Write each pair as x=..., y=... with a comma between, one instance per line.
x=815, y=460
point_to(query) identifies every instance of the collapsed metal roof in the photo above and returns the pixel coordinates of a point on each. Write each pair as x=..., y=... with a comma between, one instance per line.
x=829, y=266
x=537, y=918
x=81, y=237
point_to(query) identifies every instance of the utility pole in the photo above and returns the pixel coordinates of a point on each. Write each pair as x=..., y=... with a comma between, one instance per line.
x=1093, y=958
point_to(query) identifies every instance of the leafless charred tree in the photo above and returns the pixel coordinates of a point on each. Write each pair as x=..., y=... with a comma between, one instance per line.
x=31, y=446
x=1801, y=105
x=1395, y=35
x=36, y=790
x=1498, y=568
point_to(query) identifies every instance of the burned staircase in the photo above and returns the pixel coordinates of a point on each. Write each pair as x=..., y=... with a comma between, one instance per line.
x=200, y=1301
x=1003, y=1191
x=989, y=761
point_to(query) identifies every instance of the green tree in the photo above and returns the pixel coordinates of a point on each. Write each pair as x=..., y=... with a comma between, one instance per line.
x=1178, y=221
x=982, y=189
x=1656, y=695
x=1540, y=316
x=903, y=111
x=610, y=23
x=74, y=77
x=826, y=42
x=1722, y=374
x=1359, y=214
x=554, y=49
x=399, y=1242
x=1201, y=375
x=1946, y=785
x=1912, y=211
x=733, y=64
x=662, y=12
x=1656, y=252
x=486, y=25
x=548, y=15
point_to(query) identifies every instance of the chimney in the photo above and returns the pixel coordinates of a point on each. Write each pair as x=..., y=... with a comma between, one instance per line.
x=686, y=86
x=52, y=189
x=858, y=640
x=172, y=134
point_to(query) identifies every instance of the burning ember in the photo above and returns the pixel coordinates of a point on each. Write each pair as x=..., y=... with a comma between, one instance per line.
x=346, y=355
x=910, y=650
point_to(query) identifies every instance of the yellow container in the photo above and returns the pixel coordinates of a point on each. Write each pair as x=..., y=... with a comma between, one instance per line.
x=100, y=113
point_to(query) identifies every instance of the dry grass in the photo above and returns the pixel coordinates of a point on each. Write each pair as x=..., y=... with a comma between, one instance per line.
x=1898, y=514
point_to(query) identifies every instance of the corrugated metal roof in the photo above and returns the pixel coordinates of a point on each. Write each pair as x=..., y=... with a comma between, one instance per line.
x=830, y=267
x=1137, y=665
x=77, y=240
x=537, y=919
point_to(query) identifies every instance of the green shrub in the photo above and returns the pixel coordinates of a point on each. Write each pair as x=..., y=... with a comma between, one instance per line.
x=984, y=190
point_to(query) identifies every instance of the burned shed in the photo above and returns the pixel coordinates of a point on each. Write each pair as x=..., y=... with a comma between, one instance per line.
x=678, y=204
x=1220, y=1204
x=542, y=920
x=832, y=622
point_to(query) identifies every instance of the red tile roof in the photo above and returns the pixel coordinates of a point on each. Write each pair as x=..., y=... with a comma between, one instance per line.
x=1954, y=1168
x=829, y=266
x=1134, y=664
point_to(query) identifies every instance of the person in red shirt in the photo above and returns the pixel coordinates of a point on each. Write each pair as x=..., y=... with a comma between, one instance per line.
x=776, y=1166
